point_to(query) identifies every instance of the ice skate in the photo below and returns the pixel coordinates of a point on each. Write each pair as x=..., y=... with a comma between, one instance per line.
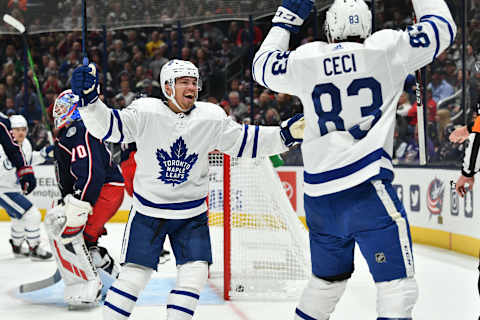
x=37, y=253
x=21, y=250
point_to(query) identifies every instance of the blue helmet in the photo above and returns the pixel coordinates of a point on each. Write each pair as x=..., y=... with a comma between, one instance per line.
x=65, y=109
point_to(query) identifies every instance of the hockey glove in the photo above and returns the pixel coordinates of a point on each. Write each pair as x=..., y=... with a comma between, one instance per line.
x=85, y=84
x=27, y=179
x=291, y=14
x=47, y=152
x=291, y=130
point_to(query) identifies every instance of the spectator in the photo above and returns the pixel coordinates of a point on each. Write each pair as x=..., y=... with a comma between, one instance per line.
x=441, y=89
x=125, y=93
x=243, y=36
x=11, y=87
x=153, y=44
x=118, y=55
x=238, y=108
x=403, y=105
x=431, y=110
x=158, y=61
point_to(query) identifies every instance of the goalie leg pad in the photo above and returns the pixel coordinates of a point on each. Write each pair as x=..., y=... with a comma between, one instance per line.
x=183, y=299
x=396, y=298
x=82, y=283
x=124, y=292
x=319, y=299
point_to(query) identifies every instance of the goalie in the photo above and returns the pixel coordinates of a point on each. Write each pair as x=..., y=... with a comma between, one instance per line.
x=92, y=188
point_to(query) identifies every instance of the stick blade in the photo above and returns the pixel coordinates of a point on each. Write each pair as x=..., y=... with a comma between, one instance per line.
x=14, y=23
x=41, y=284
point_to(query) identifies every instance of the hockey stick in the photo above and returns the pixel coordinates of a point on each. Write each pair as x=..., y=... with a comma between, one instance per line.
x=84, y=32
x=420, y=115
x=41, y=284
x=21, y=28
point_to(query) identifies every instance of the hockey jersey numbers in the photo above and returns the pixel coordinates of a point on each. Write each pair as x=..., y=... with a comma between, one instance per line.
x=280, y=65
x=175, y=166
x=334, y=114
x=417, y=37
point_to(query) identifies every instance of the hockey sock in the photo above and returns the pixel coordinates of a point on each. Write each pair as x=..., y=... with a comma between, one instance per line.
x=32, y=219
x=319, y=299
x=396, y=298
x=17, y=231
x=123, y=294
x=183, y=299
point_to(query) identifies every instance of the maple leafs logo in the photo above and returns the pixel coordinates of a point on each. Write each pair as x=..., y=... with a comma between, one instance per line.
x=176, y=166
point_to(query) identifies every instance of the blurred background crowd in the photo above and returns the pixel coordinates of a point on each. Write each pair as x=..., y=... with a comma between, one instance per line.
x=129, y=60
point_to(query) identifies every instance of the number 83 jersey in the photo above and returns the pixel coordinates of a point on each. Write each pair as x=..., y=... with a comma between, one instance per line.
x=349, y=92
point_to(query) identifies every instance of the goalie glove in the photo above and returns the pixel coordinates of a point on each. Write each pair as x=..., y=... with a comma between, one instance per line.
x=292, y=13
x=85, y=84
x=291, y=130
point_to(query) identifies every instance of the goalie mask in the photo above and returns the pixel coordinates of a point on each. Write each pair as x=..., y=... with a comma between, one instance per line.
x=173, y=70
x=65, y=109
x=348, y=18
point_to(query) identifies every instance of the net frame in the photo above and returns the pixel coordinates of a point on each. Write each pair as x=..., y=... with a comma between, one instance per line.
x=265, y=253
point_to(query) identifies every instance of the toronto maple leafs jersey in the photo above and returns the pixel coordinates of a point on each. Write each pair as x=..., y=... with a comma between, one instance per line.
x=171, y=179
x=84, y=164
x=349, y=92
x=8, y=175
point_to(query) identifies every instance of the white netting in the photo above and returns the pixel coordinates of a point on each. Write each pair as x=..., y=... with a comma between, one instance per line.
x=269, y=245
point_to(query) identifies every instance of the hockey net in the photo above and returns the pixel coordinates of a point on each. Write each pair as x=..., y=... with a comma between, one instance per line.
x=260, y=248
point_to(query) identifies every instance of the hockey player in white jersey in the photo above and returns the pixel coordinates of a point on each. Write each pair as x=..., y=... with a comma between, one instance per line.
x=26, y=219
x=170, y=185
x=349, y=88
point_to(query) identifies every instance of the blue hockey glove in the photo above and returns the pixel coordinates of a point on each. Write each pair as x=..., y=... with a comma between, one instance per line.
x=47, y=152
x=291, y=14
x=291, y=130
x=85, y=84
x=27, y=179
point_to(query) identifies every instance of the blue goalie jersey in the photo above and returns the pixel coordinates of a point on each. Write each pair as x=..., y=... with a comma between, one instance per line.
x=84, y=163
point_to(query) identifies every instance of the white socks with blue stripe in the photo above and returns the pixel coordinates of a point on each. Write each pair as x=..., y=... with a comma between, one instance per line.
x=123, y=294
x=28, y=227
x=183, y=299
x=319, y=299
x=17, y=231
x=32, y=219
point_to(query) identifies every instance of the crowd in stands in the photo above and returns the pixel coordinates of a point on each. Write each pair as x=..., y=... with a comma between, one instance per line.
x=134, y=57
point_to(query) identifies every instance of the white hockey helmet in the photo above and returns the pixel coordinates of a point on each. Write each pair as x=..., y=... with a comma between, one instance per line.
x=348, y=18
x=173, y=70
x=65, y=108
x=18, y=121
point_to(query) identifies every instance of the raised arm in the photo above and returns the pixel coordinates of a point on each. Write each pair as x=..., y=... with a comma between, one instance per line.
x=102, y=122
x=272, y=63
x=422, y=42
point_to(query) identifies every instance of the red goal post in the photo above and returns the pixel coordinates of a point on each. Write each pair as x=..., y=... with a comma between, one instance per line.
x=259, y=246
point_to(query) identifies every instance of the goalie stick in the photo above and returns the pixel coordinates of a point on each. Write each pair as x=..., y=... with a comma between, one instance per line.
x=40, y=284
x=8, y=19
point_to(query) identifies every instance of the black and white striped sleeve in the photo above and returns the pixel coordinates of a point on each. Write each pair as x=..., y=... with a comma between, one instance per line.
x=471, y=163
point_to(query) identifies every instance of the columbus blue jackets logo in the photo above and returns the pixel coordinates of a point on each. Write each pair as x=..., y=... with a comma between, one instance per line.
x=175, y=166
x=435, y=196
